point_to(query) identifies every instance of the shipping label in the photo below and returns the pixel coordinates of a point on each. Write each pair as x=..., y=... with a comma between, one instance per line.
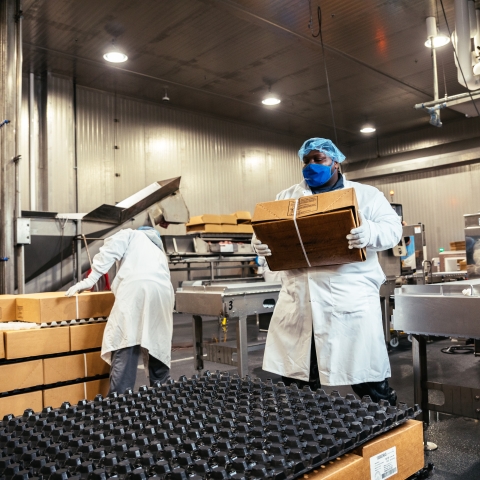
x=384, y=465
x=306, y=205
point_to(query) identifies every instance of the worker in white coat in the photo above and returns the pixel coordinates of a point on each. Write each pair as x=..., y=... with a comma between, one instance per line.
x=141, y=320
x=327, y=325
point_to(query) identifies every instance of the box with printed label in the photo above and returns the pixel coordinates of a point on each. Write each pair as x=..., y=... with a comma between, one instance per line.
x=8, y=310
x=86, y=336
x=395, y=455
x=17, y=404
x=73, y=367
x=36, y=342
x=54, y=397
x=16, y=376
x=348, y=467
x=310, y=231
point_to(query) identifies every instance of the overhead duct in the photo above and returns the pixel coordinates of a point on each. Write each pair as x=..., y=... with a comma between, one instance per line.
x=467, y=26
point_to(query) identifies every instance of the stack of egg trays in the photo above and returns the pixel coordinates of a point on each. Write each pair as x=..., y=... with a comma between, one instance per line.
x=217, y=426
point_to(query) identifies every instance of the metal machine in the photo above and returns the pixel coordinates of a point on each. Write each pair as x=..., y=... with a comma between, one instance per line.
x=47, y=237
x=226, y=301
x=451, y=310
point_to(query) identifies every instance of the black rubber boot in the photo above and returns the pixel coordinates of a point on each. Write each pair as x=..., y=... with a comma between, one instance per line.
x=376, y=391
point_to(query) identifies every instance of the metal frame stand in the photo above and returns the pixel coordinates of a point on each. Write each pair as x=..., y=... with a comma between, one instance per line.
x=221, y=353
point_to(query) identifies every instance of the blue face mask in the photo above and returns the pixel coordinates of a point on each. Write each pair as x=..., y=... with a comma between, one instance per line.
x=317, y=175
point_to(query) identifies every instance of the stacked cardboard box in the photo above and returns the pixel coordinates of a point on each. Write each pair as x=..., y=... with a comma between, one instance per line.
x=458, y=245
x=238, y=222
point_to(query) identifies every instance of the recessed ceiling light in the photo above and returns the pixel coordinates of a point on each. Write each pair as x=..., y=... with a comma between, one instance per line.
x=438, y=41
x=271, y=99
x=368, y=129
x=115, y=56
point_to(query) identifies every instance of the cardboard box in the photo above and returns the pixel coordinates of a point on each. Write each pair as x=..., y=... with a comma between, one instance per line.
x=54, y=397
x=17, y=404
x=404, y=443
x=21, y=375
x=36, y=342
x=95, y=304
x=228, y=219
x=204, y=228
x=244, y=228
x=323, y=223
x=243, y=216
x=73, y=367
x=348, y=467
x=56, y=307
x=86, y=336
x=204, y=219
x=8, y=310
x=2, y=346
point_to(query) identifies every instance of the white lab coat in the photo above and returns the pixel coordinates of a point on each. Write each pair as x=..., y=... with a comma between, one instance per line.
x=342, y=304
x=143, y=310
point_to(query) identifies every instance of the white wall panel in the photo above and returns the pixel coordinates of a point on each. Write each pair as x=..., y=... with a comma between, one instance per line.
x=95, y=149
x=224, y=166
x=59, y=187
x=438, y=199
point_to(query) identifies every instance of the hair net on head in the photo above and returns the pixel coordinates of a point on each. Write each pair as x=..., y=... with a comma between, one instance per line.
x=322, y=145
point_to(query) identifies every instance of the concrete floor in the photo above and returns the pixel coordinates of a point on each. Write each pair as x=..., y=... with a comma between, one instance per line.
x=458, y=439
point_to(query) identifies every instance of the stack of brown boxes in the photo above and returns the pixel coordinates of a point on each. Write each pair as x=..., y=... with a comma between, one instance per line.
x=238, y=222
x=48, y=366
x=455, y=246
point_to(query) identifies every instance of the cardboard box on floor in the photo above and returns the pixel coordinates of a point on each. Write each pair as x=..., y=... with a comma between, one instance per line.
x=86, y=336
x=73, y=367
x=8, y=308
x=17, y=404
x=347, y=467
x=56, y=307
x=404, y=444
x=21, y=375
x=54, y=397
x=36, y=342
x=323, y=223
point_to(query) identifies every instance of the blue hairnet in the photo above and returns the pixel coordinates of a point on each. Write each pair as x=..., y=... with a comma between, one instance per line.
x=150, y=228
x=322, y=145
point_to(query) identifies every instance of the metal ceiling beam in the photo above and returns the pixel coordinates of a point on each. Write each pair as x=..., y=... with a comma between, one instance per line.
x=240, y=12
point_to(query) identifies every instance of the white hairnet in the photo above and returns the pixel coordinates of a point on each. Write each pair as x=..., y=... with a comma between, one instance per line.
x=322, y=145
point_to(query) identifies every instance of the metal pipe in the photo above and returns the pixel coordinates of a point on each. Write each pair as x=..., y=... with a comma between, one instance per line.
x=452, y=98
x=31, y=145
x=19, y=253
x=79, y=250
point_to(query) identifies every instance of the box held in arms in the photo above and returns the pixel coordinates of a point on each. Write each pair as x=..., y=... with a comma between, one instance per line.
x=310, y=231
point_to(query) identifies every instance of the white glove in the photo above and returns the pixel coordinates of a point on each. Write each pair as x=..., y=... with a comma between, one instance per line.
x=261, y=248
x=359, y=237
x=79, y=287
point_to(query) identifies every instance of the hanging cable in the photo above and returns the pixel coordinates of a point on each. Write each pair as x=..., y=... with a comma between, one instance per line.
x=456, y=56
x=319, y=35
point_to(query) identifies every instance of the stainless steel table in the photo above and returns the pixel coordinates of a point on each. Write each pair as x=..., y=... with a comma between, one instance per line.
x=450, y=310
x=229, y=301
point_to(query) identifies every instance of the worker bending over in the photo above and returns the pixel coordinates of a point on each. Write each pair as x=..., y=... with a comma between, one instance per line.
x=327, y=325
x=141, y=320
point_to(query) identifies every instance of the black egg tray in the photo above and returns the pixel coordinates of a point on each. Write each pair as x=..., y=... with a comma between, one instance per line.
x=217, y=426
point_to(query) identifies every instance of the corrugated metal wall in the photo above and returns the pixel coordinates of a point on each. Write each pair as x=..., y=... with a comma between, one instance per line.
x=438, y=199
x=224, y=166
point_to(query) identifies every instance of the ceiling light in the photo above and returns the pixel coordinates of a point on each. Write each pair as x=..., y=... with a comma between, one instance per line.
x=438, y=41
x=114, y=55
x=271, y=99
x=368, y=129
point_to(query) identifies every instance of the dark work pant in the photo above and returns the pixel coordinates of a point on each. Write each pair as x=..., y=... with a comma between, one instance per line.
x=123, y=371
x=314, y=376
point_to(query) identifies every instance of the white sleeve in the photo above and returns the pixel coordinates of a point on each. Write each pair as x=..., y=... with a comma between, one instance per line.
x=385, y=224
x=113, y=249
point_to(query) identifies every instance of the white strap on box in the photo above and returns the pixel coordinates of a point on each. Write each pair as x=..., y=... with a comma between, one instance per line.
x=298, y=231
